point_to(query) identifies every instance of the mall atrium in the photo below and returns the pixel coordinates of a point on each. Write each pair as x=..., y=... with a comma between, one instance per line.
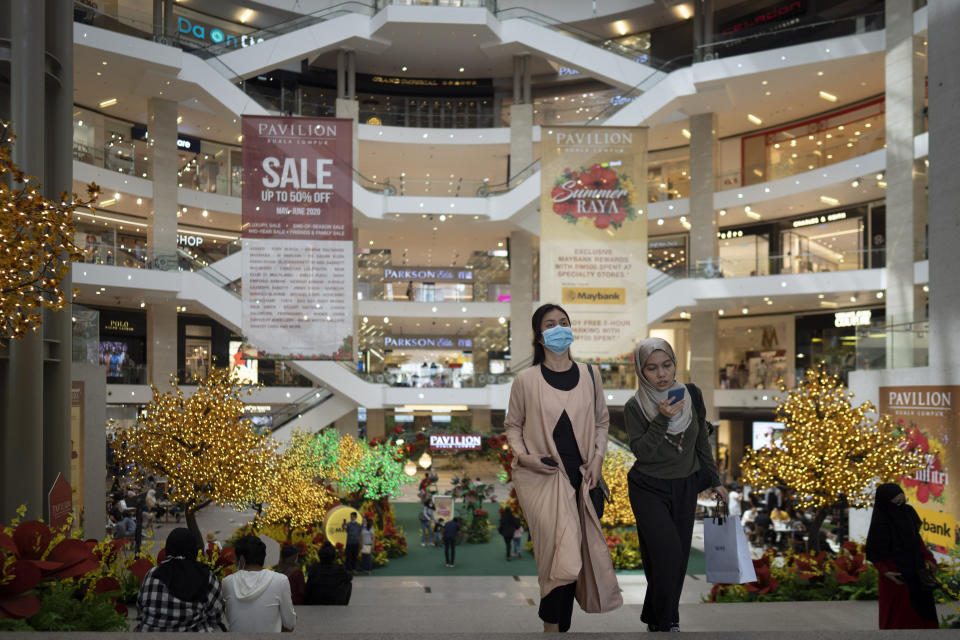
x=797, y=203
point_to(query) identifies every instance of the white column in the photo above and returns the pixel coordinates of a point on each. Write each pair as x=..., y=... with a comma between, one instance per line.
x=943, y=52
x=703, y=250
x=521, y=297
x=161, y=343
x=901, y=204
x=162, y=231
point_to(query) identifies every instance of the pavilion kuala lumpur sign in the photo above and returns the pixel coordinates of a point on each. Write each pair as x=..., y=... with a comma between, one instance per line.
x=298, y=237
x=929, y=419
x=457, y=442
x=593, y=235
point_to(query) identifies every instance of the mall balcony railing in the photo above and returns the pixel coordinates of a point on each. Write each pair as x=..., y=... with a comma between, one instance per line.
x=760, y=264
x=770, y=39
x=476, y=380
x=302, y=405
x=893, y=346
x=477, y=291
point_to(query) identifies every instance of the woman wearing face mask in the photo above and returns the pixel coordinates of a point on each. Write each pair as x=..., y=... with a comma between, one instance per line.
x=666, y=423
x=895, y=547
x=557, y=429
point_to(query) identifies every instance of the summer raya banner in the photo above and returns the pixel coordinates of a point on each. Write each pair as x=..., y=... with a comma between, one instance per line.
x=298, y=237
x=928, y=419
x=593, y=234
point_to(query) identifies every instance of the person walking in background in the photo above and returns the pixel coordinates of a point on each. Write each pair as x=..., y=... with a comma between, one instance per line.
x=557, y=426
x=258, y=600
x=180, y=594
x=518, y=540
x=367, y=536
x=426, y=517
x=328, y=582
x=905, y=564
x=669, y=436
x=508, y=525
x=289, y=567
x=450, y=531
x=352, y=548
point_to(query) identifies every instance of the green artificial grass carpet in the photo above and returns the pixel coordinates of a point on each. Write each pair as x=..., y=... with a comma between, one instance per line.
x=472, y=559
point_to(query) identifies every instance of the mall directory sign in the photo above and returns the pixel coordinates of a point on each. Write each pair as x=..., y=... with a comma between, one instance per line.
x=593, y=234
x=298, y=237
x=928, y=420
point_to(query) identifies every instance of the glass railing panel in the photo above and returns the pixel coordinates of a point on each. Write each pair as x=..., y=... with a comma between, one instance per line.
x=893, y=346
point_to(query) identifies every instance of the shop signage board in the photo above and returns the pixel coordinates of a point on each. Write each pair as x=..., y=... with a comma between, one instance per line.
x=427, y=274
x=456, y=441
x=445, y=506
x=60, y=500
x=333, y=523
x=593, y=234
x=929, y=417
x=298, y=237
x=427, y=342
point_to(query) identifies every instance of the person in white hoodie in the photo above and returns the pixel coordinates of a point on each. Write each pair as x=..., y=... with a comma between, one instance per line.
x=257, y=599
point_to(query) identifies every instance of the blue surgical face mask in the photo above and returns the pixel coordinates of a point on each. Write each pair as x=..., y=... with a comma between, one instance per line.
x=558, y=339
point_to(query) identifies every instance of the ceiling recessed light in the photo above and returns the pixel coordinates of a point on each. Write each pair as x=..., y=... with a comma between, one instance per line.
x=403, y=68
x=246, y=15
x=829, y=200
x=109, y=102
x=461, y=69
x=754, y=119
x=686, y=133
x=829, y=97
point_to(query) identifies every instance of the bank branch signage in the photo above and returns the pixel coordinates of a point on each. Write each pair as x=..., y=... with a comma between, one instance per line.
x=593, y=234
x=298, y=237
x=456, y=441
x=929, y=418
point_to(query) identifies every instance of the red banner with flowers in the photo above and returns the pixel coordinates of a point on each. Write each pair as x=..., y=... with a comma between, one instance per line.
x=593, y=234
x=298, y=237
x=928, y=420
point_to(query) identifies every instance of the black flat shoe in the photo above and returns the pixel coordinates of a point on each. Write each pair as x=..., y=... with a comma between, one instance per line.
x=652, y=628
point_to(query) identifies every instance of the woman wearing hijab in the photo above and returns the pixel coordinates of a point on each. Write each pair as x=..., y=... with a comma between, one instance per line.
x=670, y=439
x=896, y=549
x=289, y=567
x=180, y=594
x=557, y=428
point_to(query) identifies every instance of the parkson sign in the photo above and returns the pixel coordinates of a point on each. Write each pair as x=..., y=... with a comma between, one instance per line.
x=426, y=342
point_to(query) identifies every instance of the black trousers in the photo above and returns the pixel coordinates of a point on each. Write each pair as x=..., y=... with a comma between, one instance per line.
x=557, y=606
x=509, y=543
x=449, y=549
x=351, y=551
x=664, y=510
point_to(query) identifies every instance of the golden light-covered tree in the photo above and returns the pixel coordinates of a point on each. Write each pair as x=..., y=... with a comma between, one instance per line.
x=292, y=496
x=617, y=512
x=36, y=245
x=202, y=444
x=830, y=450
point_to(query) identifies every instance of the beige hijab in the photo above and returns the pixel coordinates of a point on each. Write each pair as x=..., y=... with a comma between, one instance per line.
x=649, y=397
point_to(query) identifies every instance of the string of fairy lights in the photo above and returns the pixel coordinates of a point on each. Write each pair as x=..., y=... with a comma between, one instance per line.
x=37, y=240
x=830, y=449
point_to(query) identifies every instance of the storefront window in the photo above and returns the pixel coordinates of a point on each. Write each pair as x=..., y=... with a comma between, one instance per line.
x=745, y=254
x=753, y=355
x=197, y=351
x=831, y=339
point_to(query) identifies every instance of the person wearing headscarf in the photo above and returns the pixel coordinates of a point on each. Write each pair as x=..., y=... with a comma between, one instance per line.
x=289, y=567
x=675, y=462
x=898, y=552
x=557, y=425
x=180, y=593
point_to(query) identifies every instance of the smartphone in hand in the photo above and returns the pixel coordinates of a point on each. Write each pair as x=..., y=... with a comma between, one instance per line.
x=550, y=462
x=676, y=395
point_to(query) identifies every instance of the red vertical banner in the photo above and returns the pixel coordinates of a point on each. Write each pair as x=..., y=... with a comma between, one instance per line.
x=298, y=237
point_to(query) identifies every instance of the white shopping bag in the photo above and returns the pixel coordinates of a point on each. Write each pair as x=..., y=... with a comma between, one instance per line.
x=727, y=551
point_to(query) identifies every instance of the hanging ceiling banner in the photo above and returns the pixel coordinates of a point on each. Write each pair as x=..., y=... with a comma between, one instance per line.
x=593, y=235
x=298, y=237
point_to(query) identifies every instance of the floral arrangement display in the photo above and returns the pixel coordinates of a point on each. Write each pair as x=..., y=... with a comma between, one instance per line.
x=785, y=577
x=478, y=531
x=624, y=546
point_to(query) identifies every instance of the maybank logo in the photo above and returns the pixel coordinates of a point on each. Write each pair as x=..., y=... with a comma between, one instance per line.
x=594, y=295
x=938, y=528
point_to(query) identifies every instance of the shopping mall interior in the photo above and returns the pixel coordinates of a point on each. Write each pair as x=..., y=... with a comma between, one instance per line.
x=798, y=203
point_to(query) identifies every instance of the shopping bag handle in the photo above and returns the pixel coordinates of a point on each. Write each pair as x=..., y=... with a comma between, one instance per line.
x=723, y=511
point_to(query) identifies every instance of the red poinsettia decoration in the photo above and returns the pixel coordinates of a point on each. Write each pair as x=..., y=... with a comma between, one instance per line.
x=109, y=584
x=807, y=566
x=849, y=567
x=765, y=583
x=16, y=580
